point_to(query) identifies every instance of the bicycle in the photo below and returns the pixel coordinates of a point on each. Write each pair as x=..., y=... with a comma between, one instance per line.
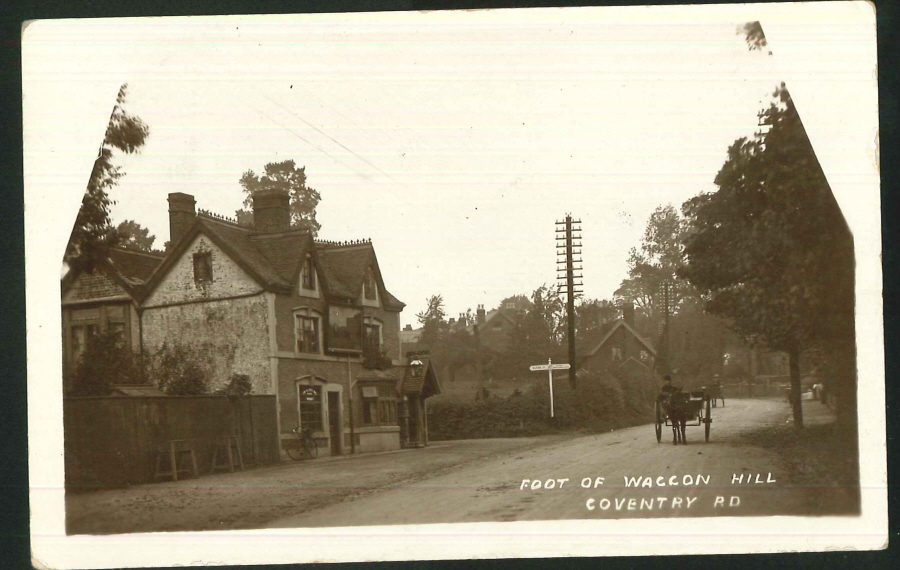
x=305, y=447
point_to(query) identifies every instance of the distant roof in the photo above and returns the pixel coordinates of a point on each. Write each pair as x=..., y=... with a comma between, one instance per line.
x=488, y=317
x=606, y=332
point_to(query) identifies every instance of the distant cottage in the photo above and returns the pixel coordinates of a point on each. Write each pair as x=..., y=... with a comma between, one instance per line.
x=617, y=344
x=304, y=319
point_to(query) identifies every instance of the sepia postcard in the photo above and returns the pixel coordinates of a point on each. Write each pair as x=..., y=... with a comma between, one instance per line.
x=509, y=283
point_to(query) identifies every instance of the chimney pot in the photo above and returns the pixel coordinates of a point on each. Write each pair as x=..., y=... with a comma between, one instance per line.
x=479, y=315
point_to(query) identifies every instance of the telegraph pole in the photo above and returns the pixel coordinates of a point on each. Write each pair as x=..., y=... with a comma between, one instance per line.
x=565, y=246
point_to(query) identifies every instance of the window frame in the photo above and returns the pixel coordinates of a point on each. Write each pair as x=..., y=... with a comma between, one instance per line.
x=376, y=323
x=381, y=410
x=205, y=259
x=302, y=314
x=308, y=281
x=314, y=409
x=370, y=286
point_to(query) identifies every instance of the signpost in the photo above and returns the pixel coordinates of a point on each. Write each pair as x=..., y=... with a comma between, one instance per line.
x=550, y=367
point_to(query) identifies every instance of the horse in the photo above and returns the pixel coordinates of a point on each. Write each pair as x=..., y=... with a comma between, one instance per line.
x=678, y=409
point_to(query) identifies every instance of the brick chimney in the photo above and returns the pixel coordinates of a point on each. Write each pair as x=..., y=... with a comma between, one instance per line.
x=479, y=315
x=628, y=313
x=271, y=211
x=182, y=214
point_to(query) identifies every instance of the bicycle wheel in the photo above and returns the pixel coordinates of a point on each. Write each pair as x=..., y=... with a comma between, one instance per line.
x=294, y=450
x=311, y=447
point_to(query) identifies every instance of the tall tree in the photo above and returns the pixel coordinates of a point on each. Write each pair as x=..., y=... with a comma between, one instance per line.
x=772, y=251
x=432, y=320
x=93, y=231
x=135, y=237
x=286, y=176
x=655, y=263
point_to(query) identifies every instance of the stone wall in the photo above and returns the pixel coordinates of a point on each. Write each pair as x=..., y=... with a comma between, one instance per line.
x=230, y=335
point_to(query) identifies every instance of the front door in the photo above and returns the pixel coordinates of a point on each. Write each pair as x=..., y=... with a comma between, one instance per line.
x=334, y=422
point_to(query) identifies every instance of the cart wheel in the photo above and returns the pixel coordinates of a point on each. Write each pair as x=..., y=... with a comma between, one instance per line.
x=708, y=420
x=659, y=422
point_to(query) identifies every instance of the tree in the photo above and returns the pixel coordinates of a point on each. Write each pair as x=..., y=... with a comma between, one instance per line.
x=656, y=263
x=133, y=236
x=92, y=231
x=285, y=176
x=771, y=250
x=432, y=320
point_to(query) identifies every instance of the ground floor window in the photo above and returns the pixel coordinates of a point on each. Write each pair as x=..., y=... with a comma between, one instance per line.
x=379, y=405
x=311, y=408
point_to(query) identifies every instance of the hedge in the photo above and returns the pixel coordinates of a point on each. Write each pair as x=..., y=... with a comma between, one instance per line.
x=601, y=402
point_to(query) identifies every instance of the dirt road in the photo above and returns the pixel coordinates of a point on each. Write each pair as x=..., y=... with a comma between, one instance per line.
x=692, y=480
x=480, y=480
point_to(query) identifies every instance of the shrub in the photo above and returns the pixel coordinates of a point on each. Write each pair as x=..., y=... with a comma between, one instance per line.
x=178, y=372
x=105, y=362
x=239, y=385
x=600, y=402
x=376, y=360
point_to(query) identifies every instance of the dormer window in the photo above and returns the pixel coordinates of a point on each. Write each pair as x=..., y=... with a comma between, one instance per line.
x=308, y=274
x=369, y=291
x=202, y=268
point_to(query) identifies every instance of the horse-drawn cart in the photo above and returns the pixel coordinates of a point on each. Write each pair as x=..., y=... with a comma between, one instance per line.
x=679, y=409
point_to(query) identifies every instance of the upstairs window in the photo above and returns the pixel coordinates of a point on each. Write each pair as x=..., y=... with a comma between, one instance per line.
x=308, y=274
x=617, y=353
x=306, y=331
x=369, y=290
x=372, y=339
x=202, y=268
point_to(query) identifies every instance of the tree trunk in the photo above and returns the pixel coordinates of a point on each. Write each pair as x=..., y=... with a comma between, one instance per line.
x=796, y=394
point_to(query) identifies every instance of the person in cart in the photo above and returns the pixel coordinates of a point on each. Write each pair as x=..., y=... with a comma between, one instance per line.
x=667, y=388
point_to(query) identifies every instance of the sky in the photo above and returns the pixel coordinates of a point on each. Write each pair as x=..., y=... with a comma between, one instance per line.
x=454, y=144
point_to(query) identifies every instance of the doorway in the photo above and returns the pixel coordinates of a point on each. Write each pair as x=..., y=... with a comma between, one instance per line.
x=334, y=422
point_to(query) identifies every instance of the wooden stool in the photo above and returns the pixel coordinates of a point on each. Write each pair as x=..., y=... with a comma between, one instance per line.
x=229, y=443
x=173, y=451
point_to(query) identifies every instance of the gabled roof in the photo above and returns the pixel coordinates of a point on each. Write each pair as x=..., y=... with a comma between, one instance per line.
x=128, y=268
x=425, y=383
x=617, y=324
x=238, y=243
x=345, y=269
x=490, y=316
x=274, y=259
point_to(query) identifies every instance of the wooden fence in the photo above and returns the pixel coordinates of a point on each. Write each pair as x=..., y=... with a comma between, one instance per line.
x=112, y=441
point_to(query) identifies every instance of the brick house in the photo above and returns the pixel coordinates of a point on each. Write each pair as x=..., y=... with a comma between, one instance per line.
x=306, y=320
